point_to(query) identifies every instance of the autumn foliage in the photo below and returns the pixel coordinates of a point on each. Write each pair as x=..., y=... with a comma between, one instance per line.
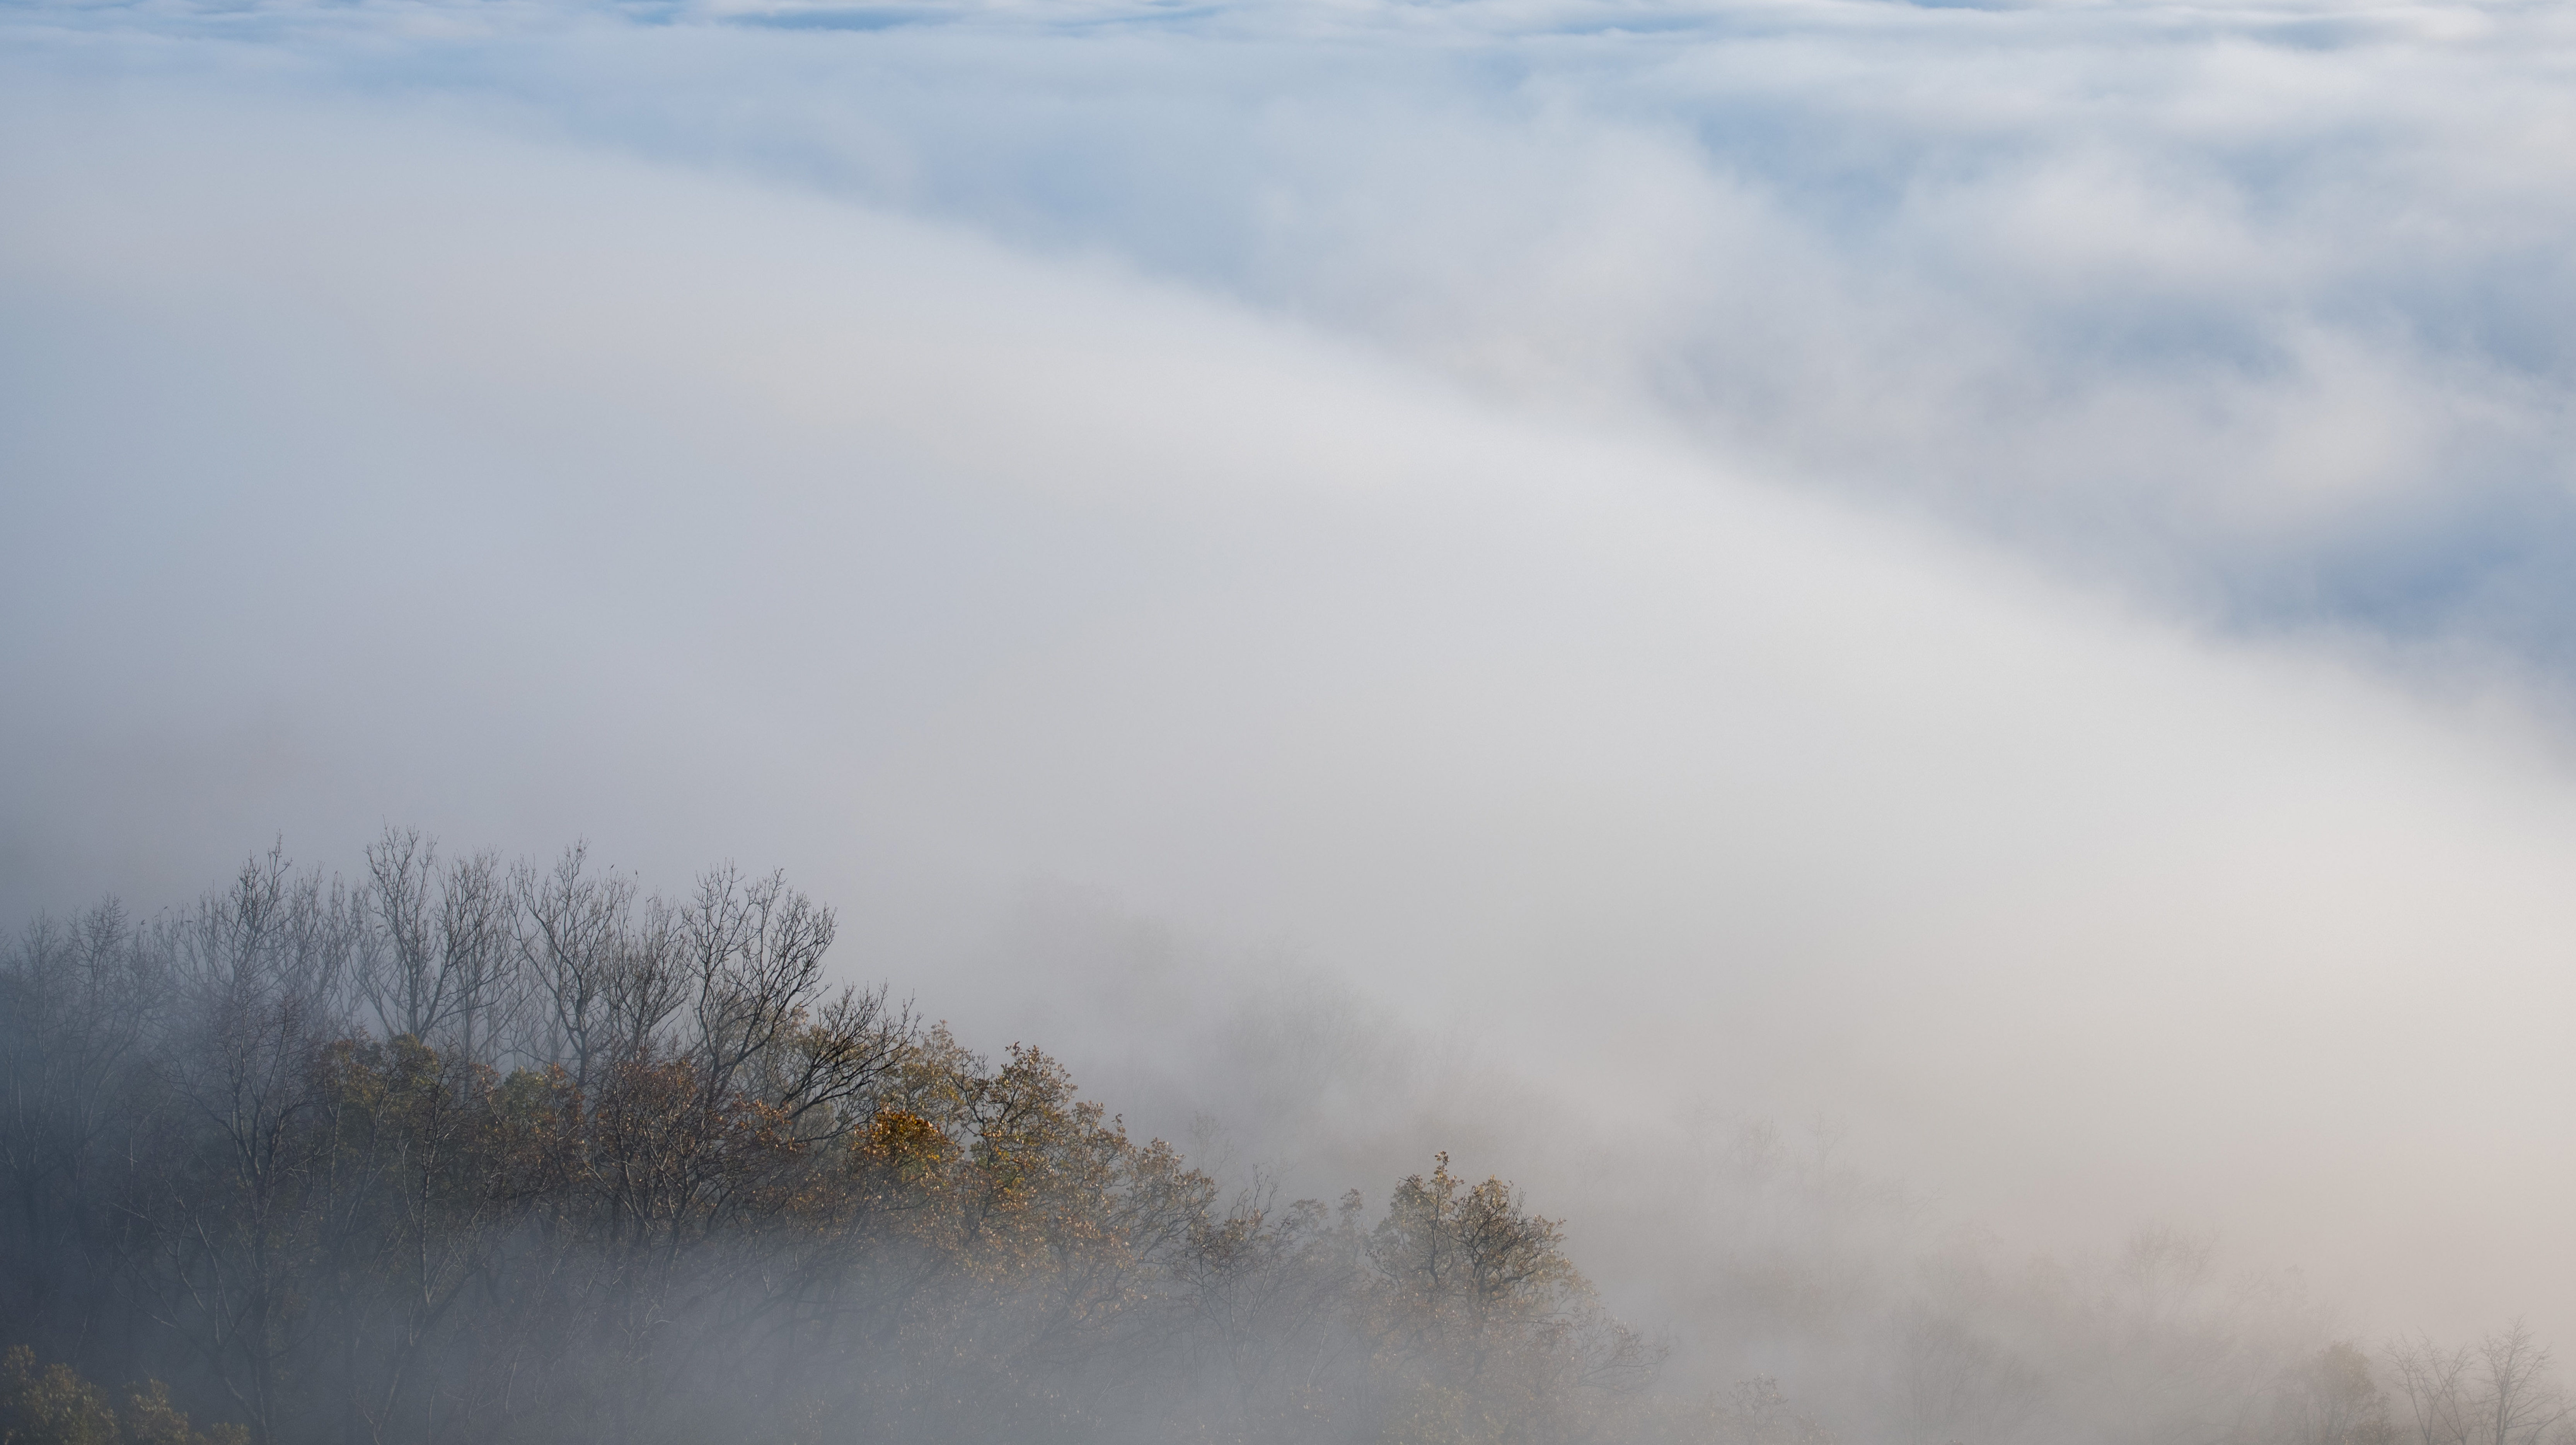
x=475, y=1153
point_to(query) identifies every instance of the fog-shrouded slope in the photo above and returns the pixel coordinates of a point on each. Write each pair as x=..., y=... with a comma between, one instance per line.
x=471, y=1148
x=385, y=460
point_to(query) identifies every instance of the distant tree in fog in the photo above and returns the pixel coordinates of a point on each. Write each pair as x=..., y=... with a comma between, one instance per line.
x=2332, y=1399
x=2500, y=1393
x=1483, y=1321
x=1957, y=1383
x=54, y=1405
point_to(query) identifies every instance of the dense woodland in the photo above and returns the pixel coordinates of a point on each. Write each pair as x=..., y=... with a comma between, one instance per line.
x=467, y=1150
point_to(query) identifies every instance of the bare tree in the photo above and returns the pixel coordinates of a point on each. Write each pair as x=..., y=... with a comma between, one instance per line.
x=2163, y=1267
x=2332, y=1398
x=80, y=1010
x=2435, y=1385
x=445, y=969
x=478, y=951
x=262, y=964
x=647, y=982
x=1955, y=1383
x=2518, y=1402
x=573, y=946
x=407, y=989
x=755, y=948
x=2500, y=1393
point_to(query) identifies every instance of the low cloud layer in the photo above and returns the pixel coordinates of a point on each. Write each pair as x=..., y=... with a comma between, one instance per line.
x=1689, y=559
x=2258, y=312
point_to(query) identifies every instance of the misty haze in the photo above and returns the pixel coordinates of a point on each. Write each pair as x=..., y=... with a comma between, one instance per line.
x=1823, y=721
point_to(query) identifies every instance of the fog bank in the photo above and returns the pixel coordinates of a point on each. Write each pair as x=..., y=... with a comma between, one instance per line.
x=376, y=465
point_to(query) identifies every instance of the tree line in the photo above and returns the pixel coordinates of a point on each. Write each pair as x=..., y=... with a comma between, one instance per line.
x=476, y=1150
x=469, y=1150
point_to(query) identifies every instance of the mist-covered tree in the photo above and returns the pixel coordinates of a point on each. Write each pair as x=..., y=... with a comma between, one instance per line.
x=482, y=1151
x=475, y=1151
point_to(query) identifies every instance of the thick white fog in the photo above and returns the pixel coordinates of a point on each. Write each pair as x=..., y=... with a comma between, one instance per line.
x=1992, y=578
